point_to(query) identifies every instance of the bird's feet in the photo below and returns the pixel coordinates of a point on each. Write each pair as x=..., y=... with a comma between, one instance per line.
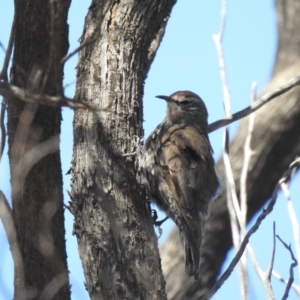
x=155, y=217
x=138, y=144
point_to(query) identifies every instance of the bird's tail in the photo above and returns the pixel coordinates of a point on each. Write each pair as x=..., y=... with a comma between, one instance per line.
x=192, y=236
x=192, y=257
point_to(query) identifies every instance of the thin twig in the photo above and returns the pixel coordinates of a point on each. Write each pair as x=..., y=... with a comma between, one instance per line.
x=8, y=52
x=243, y=183
x=9, y=227
x=232, y=200
x=84, y=44
x=264, y=276
x=292, y=266
x=4, y=77
x=52, y=51
x=247, y=157
x=271, y=265
x=2, y=127
x=69, y=84
x=279, y=278
x=256, y=105
x=56, y=283
x=218, y=38
x=24, y=163
x=293, y=218
x=11, y=91
x=253, y=229
x=2, y=47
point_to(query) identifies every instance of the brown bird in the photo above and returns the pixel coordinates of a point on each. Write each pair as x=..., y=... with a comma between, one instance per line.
x=178, y=170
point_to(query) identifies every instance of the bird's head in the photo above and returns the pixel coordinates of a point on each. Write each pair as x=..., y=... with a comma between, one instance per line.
x=185, y=106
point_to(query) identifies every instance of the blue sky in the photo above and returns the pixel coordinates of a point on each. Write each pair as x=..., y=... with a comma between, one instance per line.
x=186, y=60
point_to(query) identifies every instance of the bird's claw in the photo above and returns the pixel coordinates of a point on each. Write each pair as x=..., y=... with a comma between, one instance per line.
x=155, y=217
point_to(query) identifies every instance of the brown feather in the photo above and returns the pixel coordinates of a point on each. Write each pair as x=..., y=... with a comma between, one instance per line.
x=178, y=170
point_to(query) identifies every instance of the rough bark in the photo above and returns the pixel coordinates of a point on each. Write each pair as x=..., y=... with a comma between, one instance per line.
x=276, y=142
x=117, y=243
x=41, y=40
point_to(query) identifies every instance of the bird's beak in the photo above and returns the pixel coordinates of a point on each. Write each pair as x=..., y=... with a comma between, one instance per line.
x=167, y=98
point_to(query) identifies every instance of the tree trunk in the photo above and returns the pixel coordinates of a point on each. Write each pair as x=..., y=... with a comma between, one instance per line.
x=275, y=141
x=41, y=40
x=117, y=243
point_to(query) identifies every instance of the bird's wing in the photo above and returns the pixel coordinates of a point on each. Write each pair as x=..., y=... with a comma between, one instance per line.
x=185, y=158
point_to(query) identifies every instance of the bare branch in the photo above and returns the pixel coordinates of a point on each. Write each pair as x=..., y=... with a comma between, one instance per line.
x=279, y=278
x=9, y=227
x=54, y=285
x=11, y=91
x=292, y=266
x=3, y=73
x=218, y=38
x=84, y=44
x=293, y=218
x=247, y=157
x=31, y=157
x=2, y=47
x=52, y=49
x=69, y=84
x=264, y=276
x=2, y=127
x=4, y=77
x=232, y=200
x=270, y=268
x=256, y=105
x=253, y=229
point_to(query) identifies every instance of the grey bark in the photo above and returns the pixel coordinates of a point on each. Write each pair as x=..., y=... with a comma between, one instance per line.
x=276, y=142
x=117, y=243
x=41, y=40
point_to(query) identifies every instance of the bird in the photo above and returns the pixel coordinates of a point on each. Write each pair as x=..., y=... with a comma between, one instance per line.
x=177, y=168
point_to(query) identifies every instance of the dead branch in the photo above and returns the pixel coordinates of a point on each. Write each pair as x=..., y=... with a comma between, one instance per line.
x=3, y=73
x=4, y=77
x=264, y=276
x=11, y=91
x=256, y=105
x=253, y=229
x=232, y=200
x=279, y=278
x=84, y=44
x=9, y=227
x=292, y=266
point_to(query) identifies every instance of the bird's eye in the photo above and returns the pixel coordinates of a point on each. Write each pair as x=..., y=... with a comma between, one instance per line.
x=184, y=102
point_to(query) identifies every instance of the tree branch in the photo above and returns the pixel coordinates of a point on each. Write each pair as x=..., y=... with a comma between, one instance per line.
x=2, y=127
x=9, y=227
x=264, y=276
x=279, y=278
x=253, y=229
x=292, y=266
x=237, y=227
x=11, y=91
x=4, y=77
x=293, y=217
x=256, y=105
x=3, y=73
x=84, y=44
